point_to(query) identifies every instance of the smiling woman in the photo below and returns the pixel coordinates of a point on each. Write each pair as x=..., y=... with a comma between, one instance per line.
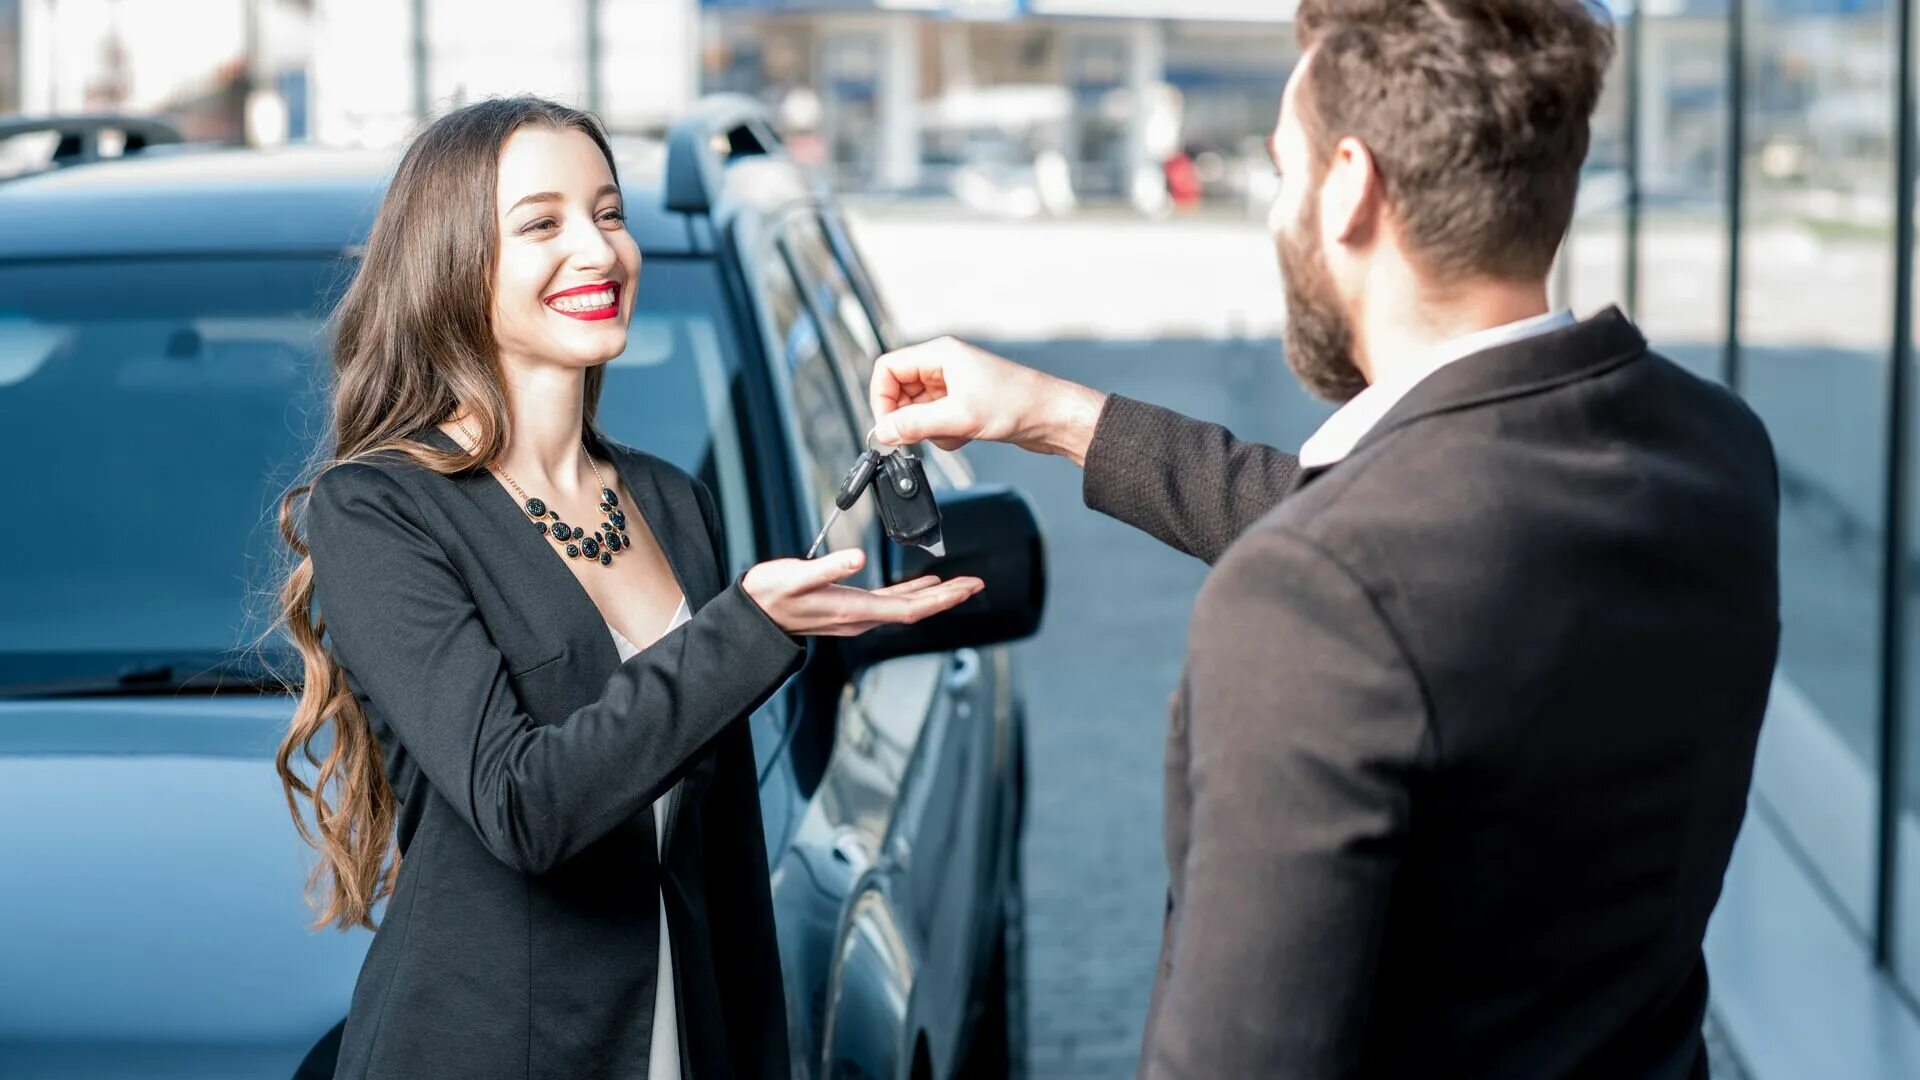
x=556, y=795
x=563, y=252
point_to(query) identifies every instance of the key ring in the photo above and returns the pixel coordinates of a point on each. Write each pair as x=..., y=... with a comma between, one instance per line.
x=870, y=447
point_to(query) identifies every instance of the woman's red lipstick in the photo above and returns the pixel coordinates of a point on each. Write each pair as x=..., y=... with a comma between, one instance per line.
x=591, y=314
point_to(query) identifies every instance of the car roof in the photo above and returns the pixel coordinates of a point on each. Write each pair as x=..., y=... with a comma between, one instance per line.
x=193, y=201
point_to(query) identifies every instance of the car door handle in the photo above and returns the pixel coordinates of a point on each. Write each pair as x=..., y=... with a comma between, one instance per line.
x=965, y=668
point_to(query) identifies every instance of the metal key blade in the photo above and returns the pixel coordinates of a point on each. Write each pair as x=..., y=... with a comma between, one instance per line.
x=822, y=538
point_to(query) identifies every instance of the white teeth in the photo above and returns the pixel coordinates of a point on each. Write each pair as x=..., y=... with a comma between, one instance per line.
x=584, y=301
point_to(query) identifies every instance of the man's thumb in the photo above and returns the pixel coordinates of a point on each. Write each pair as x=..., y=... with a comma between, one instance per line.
x=942, y=419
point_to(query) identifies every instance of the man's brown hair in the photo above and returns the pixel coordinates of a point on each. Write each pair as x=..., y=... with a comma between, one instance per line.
x=1475, y=112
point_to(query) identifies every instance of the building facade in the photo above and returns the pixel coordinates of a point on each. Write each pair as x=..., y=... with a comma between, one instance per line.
x=905, y=93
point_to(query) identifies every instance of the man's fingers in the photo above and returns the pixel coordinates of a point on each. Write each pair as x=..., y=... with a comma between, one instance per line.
x=910, y=374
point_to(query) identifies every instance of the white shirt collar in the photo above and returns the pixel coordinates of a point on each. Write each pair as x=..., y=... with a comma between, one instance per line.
x=1346, y=427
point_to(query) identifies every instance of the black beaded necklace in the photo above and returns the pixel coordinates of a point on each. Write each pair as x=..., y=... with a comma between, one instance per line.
x=610, y=537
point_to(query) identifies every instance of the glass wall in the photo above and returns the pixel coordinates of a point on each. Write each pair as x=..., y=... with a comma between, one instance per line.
x=1591, y=272
x=1815, y=340
x=1904, y=949
x=1682, y=256
x=1802, y=323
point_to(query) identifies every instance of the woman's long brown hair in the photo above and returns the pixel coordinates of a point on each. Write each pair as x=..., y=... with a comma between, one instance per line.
x=413, y=345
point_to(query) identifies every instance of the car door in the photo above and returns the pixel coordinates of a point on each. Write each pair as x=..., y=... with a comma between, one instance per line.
x=836, y=797
x=936, y=857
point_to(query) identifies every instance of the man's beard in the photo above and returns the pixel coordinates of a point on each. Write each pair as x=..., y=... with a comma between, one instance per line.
x=1319, y=337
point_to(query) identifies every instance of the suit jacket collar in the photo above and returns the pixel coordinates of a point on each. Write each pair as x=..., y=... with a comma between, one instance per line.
x=1510, y=370
x=1347, y=426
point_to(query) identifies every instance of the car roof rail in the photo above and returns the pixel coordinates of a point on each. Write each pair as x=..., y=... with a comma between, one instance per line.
x=718, y=131
x=80, y=133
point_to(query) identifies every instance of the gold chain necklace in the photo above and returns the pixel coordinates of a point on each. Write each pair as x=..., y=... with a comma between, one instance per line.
x=599, y=546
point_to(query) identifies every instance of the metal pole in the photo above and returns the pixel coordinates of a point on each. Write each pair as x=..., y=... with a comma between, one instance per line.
x=1736, y=161
x=1631, y=286
x=420, y=60
x=1893, y=622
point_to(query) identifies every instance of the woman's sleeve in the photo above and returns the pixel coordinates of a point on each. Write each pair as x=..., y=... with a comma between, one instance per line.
x=401, y=621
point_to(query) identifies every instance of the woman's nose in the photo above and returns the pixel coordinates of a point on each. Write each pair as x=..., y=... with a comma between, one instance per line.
x=591, y=249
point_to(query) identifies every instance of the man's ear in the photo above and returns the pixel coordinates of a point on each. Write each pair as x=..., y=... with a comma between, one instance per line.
x=1351, y=198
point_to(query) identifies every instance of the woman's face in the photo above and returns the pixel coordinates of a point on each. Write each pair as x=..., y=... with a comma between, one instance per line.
x=564, y=279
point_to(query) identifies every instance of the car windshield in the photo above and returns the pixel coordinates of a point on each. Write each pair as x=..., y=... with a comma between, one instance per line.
x=152, y=411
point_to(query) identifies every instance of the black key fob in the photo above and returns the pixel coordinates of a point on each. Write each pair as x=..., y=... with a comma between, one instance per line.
x=858, y=478
x=907, y=509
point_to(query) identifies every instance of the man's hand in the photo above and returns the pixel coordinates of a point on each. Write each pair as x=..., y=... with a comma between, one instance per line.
x=953, y=393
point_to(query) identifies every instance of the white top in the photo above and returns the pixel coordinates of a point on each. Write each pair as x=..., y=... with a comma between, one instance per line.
x=1345, y=428
x=665, y=1059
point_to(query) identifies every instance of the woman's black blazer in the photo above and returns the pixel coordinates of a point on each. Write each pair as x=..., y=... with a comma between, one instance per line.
x=522, y=935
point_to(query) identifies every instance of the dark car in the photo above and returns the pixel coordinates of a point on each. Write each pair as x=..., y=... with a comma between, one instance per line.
x=162, y=347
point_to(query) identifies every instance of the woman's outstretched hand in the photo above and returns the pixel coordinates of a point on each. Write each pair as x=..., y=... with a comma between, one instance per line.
x=804, y=597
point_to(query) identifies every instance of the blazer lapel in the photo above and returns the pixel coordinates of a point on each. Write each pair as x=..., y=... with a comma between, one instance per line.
x=674, y=519
x=676, y=526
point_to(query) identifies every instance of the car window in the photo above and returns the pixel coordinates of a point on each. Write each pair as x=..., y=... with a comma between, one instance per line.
x=855, y=342
x=198, y=387
x=821, y=408
x=864, y=285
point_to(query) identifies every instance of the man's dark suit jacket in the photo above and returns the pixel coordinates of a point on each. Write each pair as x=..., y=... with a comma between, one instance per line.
x=1468, y=720
x=522, y=938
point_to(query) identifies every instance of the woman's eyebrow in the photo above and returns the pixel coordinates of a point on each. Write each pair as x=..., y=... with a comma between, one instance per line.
x=554, y=196
x=536, y=197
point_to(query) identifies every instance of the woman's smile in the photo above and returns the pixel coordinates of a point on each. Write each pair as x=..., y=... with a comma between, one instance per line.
x=599, y=300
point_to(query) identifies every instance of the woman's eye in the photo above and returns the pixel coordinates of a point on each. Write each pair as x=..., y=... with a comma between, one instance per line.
x=615, y=214
x=536, y=225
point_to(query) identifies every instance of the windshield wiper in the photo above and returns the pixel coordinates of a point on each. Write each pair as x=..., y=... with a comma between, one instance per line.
x=191, y=677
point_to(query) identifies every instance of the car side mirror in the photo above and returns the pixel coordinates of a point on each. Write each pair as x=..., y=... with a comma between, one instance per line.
x=991, y=533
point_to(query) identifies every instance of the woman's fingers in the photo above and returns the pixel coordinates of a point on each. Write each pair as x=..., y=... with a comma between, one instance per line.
x=907, y=587
x=862, y=611
x=830, y=568
x=805, y=597
x=777, y=586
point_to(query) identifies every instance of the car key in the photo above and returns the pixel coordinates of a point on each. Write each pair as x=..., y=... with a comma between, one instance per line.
x=858, y=480
x=908, y=511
